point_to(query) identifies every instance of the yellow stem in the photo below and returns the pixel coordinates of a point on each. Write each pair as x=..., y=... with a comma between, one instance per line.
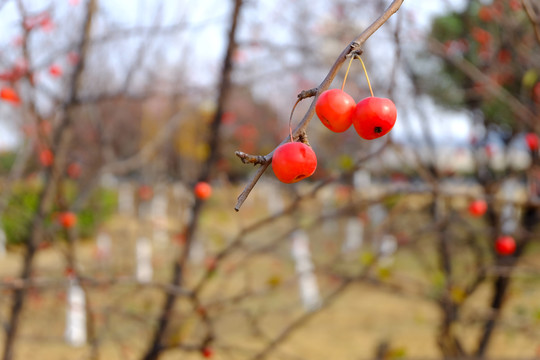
x=290, y=119
x=347, y=73
x=367, y=77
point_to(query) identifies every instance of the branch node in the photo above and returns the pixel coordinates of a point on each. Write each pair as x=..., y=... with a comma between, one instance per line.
x=251, y=159
x=303, y=138
x=355, y=53
x=304, y=94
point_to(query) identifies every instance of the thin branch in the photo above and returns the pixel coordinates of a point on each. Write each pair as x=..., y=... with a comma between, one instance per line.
x=251, y=159
x=533, y=17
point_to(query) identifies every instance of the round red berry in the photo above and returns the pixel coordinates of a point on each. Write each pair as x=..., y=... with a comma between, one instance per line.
x=145, y=192
x=477, y=208
x=207, y=352
x=67, y=219
x=335, y=108
x=10, y=95
x=532, y=141
x=46, y=157
x=293, y=162
x=203, y=190
x=55, y=70
x=505, y=245
x=374, y=117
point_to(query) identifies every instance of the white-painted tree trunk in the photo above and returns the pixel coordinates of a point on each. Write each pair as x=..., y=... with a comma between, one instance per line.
x=387, y=249
x=144, y=270
x=354, y=235
x=361, y=180
x=509, y=212
x=103, y=246
x=197, y=253
x=309, y=290
x=126, y=200
x=75, y=332
x=159, y=216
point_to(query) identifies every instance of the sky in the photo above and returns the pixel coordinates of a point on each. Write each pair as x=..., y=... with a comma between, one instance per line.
x=206, y=43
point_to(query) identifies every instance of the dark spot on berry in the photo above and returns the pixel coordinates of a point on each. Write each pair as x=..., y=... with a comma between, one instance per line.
x=299, y=177
x=377, y=129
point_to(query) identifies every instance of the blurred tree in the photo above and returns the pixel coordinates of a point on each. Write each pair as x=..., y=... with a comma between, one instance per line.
x=482, y=47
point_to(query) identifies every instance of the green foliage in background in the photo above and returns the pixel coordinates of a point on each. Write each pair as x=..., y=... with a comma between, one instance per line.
x=23, y=203
x=7, y=159
x=498, y=39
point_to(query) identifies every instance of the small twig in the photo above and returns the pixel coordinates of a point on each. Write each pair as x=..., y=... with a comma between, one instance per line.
x=251, y=159
x=304, y=94
x=533, y=17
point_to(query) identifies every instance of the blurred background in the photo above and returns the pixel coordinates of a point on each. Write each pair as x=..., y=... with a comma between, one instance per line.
x=119, y=239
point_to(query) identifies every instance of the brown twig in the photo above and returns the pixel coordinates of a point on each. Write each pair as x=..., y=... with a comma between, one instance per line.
x=533, y=17
x=251, y=159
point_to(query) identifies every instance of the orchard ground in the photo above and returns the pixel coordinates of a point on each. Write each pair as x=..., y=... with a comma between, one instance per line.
x=352, y=327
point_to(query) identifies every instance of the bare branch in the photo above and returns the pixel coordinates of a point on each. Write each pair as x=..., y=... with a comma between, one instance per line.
x=251, y=159
x=533, y=17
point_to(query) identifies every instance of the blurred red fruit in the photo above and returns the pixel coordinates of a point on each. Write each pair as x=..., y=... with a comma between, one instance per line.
x=532, y=141
x=55, y=70
x=10, y=95
x=67, y=219
x=74, y=170
x=478, y=208
x=46, y=157
x=73, y=57
x=203, y=190
x=145, y=192
x=207, y=352
x=505, y=245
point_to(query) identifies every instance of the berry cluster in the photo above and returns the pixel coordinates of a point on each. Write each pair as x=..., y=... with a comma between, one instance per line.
x=372, y=118
x=504, y=245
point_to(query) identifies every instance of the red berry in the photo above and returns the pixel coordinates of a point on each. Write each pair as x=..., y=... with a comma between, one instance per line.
x=532, y=141
x=55, y=70
x=335, y=108
x=207, y=352
x=46, y=157
x=46, y=24
x=477, y=208
x=293, y=162
x=145, y=192
x=203, y=190
x=69, y=272
x=210, y=263
x=515, y=5
x=74, y=170
x=374, y=117
x=73, y=57
x=10, y=95
x=505, y=245
x=67, y=219
x=485, y=14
